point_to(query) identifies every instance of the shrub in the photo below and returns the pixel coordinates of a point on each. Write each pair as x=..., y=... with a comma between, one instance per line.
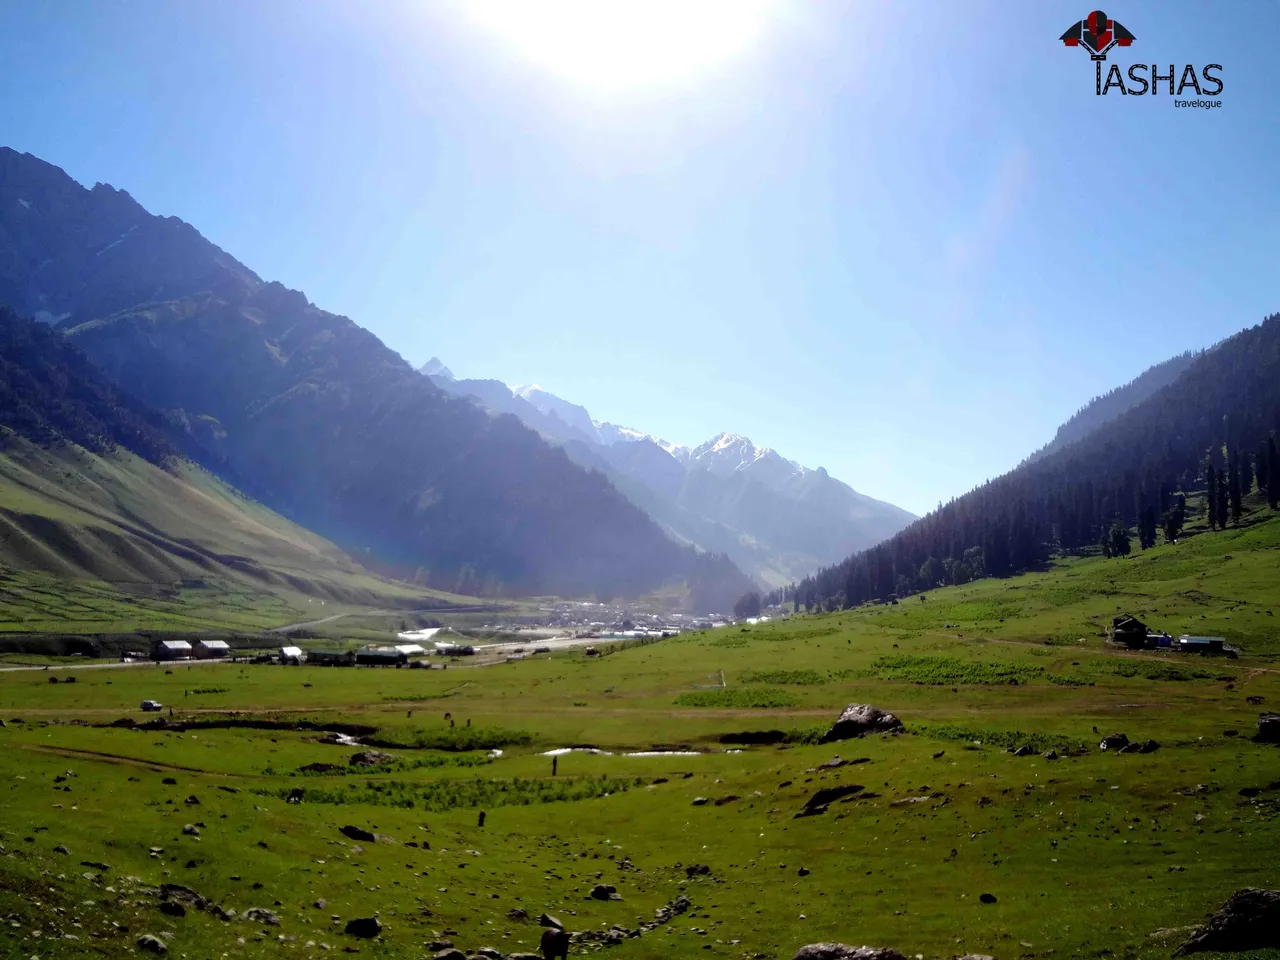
x=739, y=698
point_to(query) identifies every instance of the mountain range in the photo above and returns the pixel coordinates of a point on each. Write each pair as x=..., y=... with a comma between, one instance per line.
x=777, y=520
x=315, y=417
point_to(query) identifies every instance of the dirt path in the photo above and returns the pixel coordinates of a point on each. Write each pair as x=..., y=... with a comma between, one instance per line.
x=156, y=765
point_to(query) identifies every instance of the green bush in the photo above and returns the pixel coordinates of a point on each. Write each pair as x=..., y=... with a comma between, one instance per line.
x=1007, y=739
x=739, y=698
x=797, y=677
x=437, y=796
x=949, y=671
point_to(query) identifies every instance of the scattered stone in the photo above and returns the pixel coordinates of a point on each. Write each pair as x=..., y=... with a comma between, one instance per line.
x=518, y=913
x=192, y=801
x=554, y=943
x=817, y=804
x=546, y=920
x=1023, y=751
x=489, y=953
x=987, y=898
x=169, y=782
x=61, y=849
x=721, y=801
x=366, y=927
x=1249, y=920
x=190, y=830
x=95, y=864
x=840, y=951
x=1113, y=741
x=859, y=719
x=319, y=768
x=696, y=870
x=435, y=946
x=1269, y=727
x=260, y=915
x=230, y=789
x=152, y=944
x=370, y=758
x=605, y=891
x=451, y=954
x=803, y=872
x=319, y=904
x=171, y=908
x=938, y=754
x=1047, y=755
x=699, y=801
x=356, y=833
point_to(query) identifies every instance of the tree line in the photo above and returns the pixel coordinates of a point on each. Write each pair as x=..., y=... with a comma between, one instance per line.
x=1210, y=432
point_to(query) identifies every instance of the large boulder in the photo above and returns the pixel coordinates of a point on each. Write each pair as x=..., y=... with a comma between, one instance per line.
x=1249, y=920
x=840, y=951
x=358, y=834
x=818, y=802
x=152, y=944
x=366, y=927
x=859, y=719
x=1113, y=741
x=605, y=891
x=1269, y=727
x=260, y=915
x=370, y=758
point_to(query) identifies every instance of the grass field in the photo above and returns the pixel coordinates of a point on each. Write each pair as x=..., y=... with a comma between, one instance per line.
x=1090, y=855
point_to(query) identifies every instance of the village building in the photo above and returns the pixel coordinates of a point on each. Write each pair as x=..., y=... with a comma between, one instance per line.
x=171, y=650
x=212, y=649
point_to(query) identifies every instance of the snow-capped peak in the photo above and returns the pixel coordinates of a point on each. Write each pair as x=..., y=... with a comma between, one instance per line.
x=435, y=368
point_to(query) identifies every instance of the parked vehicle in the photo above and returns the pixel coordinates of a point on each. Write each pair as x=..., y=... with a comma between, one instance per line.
x=151, y=706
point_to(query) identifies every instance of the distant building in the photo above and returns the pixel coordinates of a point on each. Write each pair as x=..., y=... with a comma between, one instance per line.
x=1129, y=631
x=331, y=658
x=1190, y=644
x=381, y=657
x=411, y=649
x=212, y=649
x=292, y=656
x=171, y=650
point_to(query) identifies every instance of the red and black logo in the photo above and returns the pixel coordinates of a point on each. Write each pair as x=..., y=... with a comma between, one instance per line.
x=1097, y=33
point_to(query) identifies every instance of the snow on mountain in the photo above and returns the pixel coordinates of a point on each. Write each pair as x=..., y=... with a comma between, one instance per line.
x=434, y=368
x=777, y=519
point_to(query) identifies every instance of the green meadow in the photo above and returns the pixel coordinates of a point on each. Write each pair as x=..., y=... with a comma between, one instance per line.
x=1089, y=855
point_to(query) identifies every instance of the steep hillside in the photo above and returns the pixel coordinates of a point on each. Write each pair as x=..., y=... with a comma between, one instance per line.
x=1110, y=405
x=314, y=415
x=777, y=520
x=1210, y=432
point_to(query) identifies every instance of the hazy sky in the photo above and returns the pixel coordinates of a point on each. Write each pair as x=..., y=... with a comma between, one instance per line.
x=901, y=241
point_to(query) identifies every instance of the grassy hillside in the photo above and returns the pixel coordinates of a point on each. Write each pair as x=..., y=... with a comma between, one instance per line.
x=1089, y=855
x=104, y=543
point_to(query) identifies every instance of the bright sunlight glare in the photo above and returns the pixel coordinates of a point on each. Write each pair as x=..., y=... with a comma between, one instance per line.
x=617, y=45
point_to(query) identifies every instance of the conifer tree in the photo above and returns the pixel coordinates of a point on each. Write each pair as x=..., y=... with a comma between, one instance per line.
x=1273, y=474
x=1233, y=490
x=1211, y=497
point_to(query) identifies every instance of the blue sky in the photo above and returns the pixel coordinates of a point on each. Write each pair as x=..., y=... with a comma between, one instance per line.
x=901, y=241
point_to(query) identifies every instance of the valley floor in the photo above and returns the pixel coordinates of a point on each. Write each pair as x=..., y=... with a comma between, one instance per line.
x=1088, y=855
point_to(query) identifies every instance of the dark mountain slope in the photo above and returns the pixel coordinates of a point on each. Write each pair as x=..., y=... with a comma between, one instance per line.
x=315, y=416
x=50, y=393
x=1110, y=405
x=1205, y=425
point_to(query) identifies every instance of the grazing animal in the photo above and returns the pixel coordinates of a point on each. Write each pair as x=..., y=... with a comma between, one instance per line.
x=555, y=944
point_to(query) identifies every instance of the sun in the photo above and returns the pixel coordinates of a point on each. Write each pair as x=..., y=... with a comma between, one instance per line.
x=619, y=45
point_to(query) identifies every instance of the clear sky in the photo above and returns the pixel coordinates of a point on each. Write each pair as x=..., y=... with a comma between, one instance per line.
x=899, y=240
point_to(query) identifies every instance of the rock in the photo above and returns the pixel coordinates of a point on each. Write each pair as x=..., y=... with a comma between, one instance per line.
x=859, y=719
x=696, y=870
x=803, y=872
x=190, y=830
x=260, y=915
x=1114, y=741
x=319, y=768
x=61, y=849
x=295, y=795
x=370, y=758
x=95, y=864
x=987, y=898
x=817, y=803
x=1149, y=746
x=169, y=782
x=699, y=801
x=450, y=954
x=1048, y=755
x=171, y=908
x=554, y=943
x=363, y=927
x=546, y=920
x=517, y=913
x=355, y=833
x=840, y=951
x=524, y=956
x=152, y=944
x=192, y=801
x=1269, y=727
x=489, y=953
x=1023, y=751
x=1249, y=920
x=605, y=891
x=977, y=956
x=435, y=946
x=319, y=904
